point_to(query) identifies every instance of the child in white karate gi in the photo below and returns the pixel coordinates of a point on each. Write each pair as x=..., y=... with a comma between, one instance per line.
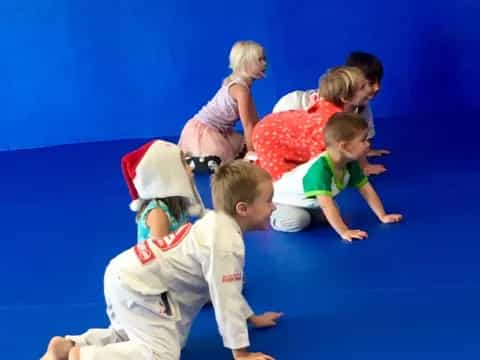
x=155, y=289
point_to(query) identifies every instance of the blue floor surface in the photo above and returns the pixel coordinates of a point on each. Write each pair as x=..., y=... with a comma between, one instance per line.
x=409, y=291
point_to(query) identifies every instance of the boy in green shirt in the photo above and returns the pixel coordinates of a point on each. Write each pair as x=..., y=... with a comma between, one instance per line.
x=311, y=187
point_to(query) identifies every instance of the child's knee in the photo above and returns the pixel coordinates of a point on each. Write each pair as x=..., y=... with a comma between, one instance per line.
x=58, y=343
x=58, y=348
x=290, y=219
x=55, y=342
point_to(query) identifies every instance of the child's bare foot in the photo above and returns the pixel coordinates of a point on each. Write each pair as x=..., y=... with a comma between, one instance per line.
x=58, y=349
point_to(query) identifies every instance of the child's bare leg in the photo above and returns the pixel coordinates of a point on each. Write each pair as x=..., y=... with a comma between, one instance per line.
x=58, y=349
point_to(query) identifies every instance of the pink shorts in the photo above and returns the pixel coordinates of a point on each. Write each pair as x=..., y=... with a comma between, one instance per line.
x=199, y=139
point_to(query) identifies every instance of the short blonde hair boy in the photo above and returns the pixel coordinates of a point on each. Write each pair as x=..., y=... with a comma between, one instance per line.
x=340, y=84
x=236, y=181
x=343, y=126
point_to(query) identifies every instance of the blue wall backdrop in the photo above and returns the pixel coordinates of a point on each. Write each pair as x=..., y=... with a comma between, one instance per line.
x=76, y=71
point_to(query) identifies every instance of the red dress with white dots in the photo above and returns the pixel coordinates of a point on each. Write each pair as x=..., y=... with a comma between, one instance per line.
x=287, y=139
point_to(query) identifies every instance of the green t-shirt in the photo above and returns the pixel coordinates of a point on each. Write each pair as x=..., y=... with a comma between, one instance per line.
x=320, y=178
x=300, y=186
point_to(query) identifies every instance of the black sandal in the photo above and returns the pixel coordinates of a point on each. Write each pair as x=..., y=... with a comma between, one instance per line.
x=203, y=164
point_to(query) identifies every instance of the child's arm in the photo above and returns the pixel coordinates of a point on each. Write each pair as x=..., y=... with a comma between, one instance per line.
x=246, y=109
x=373, y=200
x=334, y=218
x=231, y=308
x=224, y=276
x=158, y=223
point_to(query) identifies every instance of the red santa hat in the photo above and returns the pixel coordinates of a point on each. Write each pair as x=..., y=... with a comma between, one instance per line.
x=156, y=170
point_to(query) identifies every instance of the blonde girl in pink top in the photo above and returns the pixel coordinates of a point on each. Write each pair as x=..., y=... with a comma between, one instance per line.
x=210, y=132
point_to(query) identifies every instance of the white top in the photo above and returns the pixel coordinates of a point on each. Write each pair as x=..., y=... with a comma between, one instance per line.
x=295, y=100
x=194, y=264
x=288, y=190
x=300, y=186
x=301, y=100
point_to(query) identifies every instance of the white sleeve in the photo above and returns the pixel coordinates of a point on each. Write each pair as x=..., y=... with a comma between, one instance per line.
x=368, y=115
x=290, y=101
x=225, y=281
x=295, y=100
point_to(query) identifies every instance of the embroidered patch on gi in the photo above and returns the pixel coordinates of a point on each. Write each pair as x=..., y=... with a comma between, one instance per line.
x=232, y=277
x=143, y=252
x=172, y=240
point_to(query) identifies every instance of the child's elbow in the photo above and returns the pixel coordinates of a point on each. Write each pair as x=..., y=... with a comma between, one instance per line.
x=324, y=202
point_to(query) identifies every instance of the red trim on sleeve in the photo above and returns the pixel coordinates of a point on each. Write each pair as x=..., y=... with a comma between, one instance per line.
x=172, y=240
x=232, y=277
x=144, y=253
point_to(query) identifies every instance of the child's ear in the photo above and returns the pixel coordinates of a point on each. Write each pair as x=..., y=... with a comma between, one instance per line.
x=343, y=145
x=241, y=208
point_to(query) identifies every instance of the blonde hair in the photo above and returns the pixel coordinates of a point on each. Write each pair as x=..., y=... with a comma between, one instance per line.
x=236, y=181
x=340, y=84
x=242, y=54
x=343, y=126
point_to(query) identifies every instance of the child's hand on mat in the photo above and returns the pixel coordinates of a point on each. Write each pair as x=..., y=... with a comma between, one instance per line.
x=267, y=319
x=378, y=152
x=350, y=235
x=391, y=218
x=245, y=355
x=373, y=169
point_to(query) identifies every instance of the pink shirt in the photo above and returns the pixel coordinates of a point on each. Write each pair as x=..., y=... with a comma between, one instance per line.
x=221, y=112
x=287, y=139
